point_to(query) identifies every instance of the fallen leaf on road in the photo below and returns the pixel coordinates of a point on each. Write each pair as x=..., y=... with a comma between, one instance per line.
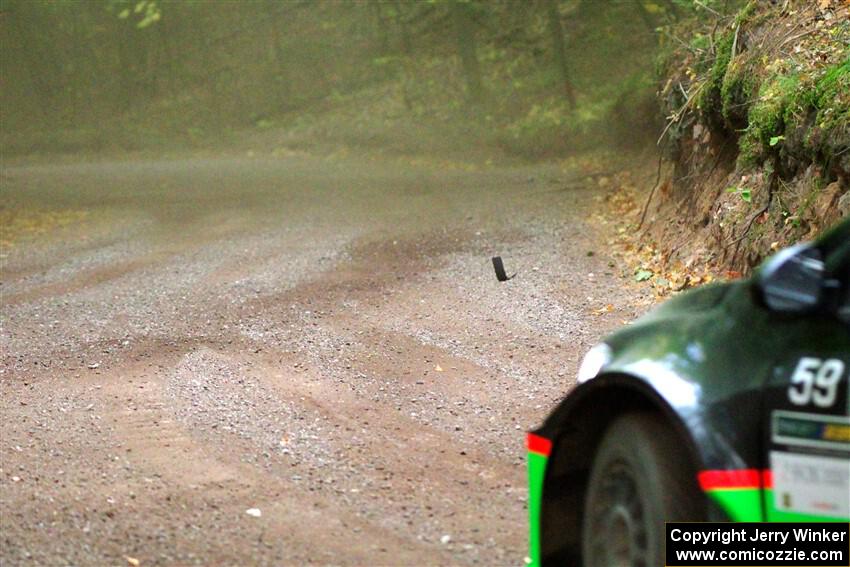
x=132, y=561
x=604, y=309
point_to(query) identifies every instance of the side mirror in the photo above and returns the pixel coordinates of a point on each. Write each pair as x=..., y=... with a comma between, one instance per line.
x=793, y=280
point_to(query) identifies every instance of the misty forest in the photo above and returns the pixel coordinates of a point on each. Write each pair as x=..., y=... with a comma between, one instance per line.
x=248, y=311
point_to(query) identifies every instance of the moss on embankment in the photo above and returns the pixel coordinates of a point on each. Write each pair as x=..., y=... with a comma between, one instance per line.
x=759, y=127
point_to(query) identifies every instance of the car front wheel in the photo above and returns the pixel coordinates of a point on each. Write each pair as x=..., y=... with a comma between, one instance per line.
x=641, y=477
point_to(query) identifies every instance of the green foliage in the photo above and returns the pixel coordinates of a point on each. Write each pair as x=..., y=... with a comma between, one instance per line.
x=767, y=118
x=738, y=90
x=784, y=111
x=143, y=12
x=641, y=275
x=778, y=106
x=701, y=43
x=746, y=14
x=710, y=101
x=831, y=97
x=745, y=194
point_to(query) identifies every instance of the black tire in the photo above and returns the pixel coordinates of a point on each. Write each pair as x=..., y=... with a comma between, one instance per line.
x=641, y=477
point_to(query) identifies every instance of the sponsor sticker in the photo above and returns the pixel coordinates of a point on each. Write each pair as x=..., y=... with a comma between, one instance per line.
x=811, y=484
x=811, y=430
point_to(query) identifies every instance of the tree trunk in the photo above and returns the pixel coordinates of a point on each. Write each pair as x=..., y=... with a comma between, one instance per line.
x=128, y=50
x=32, y=63
x=281, y=75
x=559, y=54
x=382, y=36
x=467, y=48
x=168, y=72
x=404, y=30
x=407, y=52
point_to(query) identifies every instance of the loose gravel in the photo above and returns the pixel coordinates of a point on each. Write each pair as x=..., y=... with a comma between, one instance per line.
x=288, y=360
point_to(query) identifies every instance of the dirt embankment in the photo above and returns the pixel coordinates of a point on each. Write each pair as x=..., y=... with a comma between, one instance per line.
x=757, y=137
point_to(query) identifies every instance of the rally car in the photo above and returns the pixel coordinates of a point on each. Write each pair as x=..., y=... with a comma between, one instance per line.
x=726, y=403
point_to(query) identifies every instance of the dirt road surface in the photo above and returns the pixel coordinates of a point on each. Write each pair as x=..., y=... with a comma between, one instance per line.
x=322, y=340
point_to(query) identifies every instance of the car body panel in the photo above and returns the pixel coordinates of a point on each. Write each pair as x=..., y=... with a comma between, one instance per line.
x=718, y=365
x=539, y=449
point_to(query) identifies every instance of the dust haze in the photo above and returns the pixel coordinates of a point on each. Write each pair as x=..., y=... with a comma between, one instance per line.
x=248, y=315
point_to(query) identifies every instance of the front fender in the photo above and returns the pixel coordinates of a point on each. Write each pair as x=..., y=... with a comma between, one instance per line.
x=561, y=452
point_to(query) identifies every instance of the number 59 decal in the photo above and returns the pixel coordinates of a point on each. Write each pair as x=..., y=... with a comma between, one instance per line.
x=815, y=381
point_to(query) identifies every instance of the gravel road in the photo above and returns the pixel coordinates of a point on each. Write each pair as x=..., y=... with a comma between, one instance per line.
x=250, y=359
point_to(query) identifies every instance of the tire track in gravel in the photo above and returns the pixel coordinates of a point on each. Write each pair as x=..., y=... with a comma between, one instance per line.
x=420, y=400
x=86, y=279
x=199, y=435
x=350, y=370
x=370, y=460
x=371, y=384
x=160, y=251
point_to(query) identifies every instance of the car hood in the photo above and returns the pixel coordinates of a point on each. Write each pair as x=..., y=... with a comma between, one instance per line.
x=699, y=299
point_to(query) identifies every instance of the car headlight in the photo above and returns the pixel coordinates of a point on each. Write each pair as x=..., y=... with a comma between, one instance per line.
x=593, y=361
